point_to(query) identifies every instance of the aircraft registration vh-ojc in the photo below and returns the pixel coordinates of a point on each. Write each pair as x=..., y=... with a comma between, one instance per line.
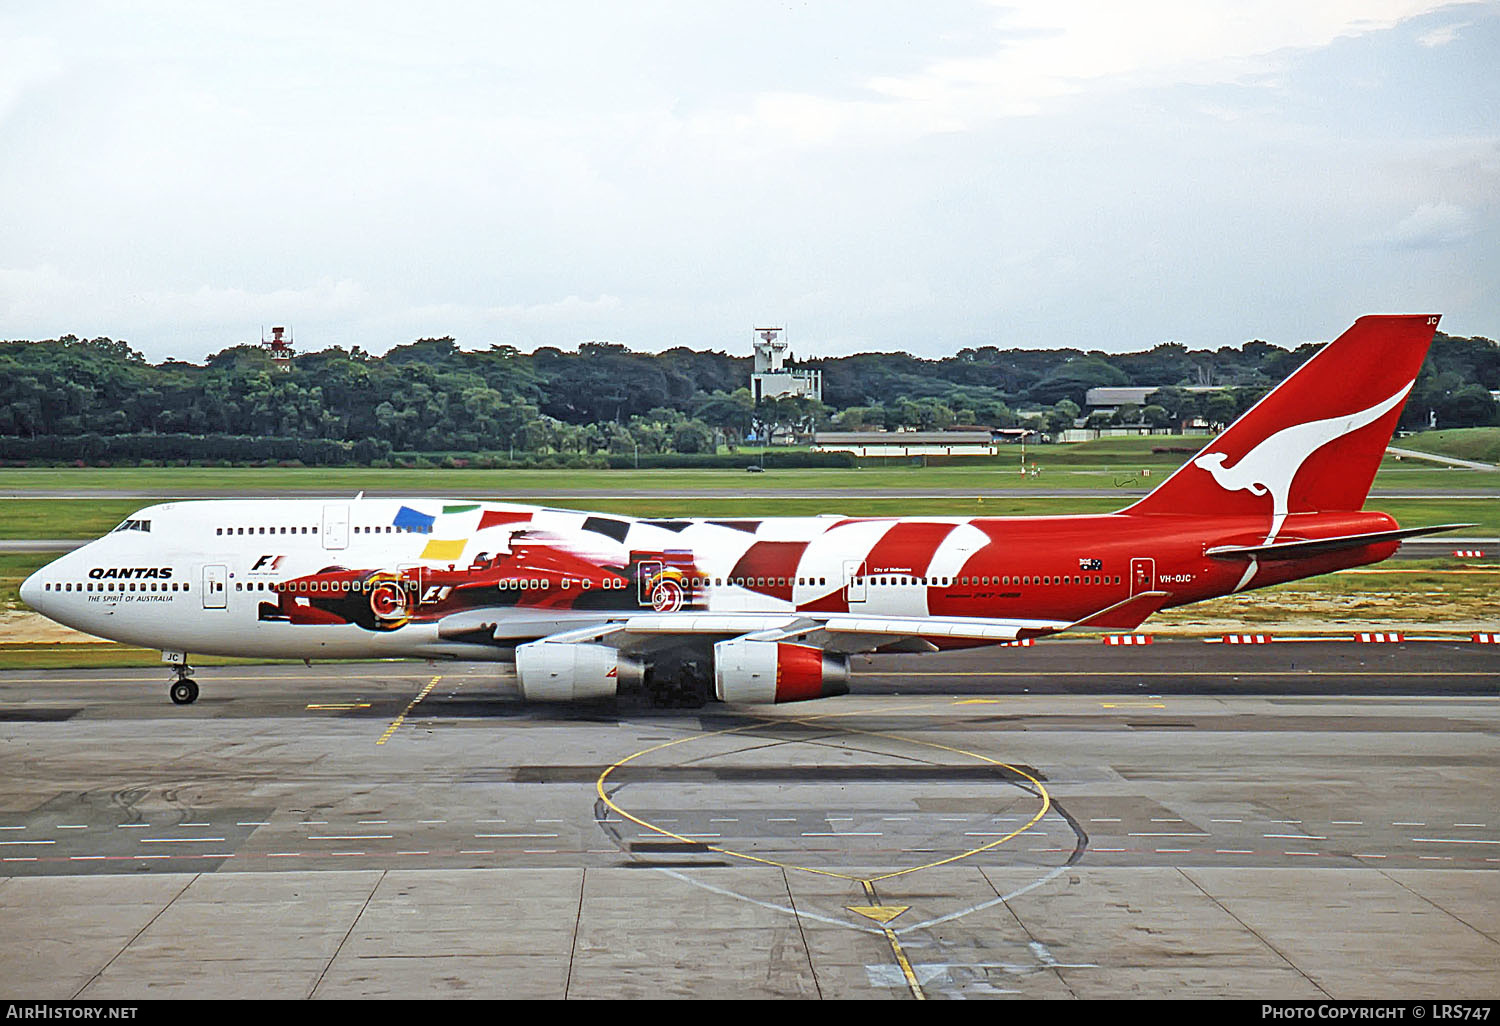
x=750, y=610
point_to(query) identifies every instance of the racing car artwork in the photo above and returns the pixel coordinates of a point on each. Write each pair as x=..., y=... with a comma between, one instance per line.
x=533, y=574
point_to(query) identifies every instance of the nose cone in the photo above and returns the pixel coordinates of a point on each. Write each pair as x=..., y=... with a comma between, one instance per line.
x=31, y=591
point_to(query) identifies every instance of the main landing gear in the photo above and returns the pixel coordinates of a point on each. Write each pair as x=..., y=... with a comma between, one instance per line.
x=184, y=690
x=678, y=683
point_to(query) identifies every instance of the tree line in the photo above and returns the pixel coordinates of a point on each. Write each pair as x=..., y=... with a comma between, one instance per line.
x=70, y=398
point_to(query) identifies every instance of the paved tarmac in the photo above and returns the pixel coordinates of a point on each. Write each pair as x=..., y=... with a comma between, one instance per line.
x=1287, y=821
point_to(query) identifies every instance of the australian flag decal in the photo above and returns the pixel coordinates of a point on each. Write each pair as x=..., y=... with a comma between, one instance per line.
x=1090, y=564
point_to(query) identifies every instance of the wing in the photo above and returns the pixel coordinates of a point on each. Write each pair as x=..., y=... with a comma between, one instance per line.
x=839, y=633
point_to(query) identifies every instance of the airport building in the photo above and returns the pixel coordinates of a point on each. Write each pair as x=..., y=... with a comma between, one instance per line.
x=774, y=376
x=974, y=442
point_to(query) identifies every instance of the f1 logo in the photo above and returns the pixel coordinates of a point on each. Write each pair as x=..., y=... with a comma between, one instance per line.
x=267, y=563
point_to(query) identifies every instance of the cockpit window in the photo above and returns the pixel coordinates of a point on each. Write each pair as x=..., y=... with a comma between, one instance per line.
x=134, y=525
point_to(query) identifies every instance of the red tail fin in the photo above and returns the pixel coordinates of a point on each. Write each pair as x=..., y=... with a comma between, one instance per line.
x=1314, y=442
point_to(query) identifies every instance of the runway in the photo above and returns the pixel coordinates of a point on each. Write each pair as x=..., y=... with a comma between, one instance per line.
x=1071, y=820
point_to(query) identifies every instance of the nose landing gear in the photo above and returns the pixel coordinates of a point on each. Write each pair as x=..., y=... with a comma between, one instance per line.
x=183, y=690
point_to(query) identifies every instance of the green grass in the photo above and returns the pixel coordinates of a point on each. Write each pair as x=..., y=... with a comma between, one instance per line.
x=1480, y=443
x=100, y=655
x=15, y=568
x=89, y=518
x=1058, y=469
x=63, y=518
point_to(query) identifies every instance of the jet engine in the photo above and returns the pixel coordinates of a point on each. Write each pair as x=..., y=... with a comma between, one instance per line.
x=771, y=671
x=562, y=672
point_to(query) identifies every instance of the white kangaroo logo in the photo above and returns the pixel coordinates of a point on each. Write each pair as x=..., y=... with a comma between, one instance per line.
x=1271, y=466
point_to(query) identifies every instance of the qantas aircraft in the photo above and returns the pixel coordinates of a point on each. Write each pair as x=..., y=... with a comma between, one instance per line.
x=588, y=605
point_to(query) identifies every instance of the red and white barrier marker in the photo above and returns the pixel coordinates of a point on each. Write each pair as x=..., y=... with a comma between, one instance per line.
x=1246, y=639
x=1127, y=639
x=1019, y=643
x=1382, y=636
x=1485, y=639
x=1468, y=553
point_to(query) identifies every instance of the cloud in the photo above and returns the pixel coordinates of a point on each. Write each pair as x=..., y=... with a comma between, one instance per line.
x=1433, y=226
x=1442, y=36
x=26, y=63
x=1042, y=52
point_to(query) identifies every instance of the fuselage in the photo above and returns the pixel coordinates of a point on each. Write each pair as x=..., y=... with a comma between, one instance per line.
x=316, y=578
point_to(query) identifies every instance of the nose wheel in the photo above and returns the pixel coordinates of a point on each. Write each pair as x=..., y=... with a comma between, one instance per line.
x=184, y=689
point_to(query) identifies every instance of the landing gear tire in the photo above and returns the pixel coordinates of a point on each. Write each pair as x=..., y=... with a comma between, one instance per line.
x=184, y=690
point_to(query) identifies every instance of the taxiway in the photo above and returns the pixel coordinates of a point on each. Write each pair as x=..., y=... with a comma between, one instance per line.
x=1291, y=820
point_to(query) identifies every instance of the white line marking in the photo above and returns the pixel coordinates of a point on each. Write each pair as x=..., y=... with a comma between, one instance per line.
x=522, y=835
x=1169, y=833
x=826, y=833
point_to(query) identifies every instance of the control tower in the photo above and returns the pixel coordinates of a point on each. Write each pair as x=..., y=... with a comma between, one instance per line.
x=280, y=349
x=773, y=377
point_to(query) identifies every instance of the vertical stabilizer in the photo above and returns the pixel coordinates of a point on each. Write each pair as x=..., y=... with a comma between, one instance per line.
x=1314, y=442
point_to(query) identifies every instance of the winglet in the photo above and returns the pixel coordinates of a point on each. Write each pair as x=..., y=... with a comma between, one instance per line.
x=1122, y=616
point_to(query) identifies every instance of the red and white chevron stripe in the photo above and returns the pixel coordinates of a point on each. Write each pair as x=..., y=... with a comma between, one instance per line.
x=1022, y=643
x=1381, y=636
x=1485, y=639
x=1127, y=639
x=1247, y=639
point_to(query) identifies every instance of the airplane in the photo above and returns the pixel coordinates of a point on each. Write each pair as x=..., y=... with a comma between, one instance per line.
x=746, y=609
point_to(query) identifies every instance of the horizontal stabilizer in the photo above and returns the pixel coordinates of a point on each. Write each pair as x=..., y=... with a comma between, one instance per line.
x=1123, y=616
x=1318, y=546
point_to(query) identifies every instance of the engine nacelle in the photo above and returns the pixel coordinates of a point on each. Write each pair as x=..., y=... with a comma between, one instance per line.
x=562, y=672
x=772, y=671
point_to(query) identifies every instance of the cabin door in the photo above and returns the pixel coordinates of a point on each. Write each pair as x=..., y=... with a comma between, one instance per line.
x=854, y=581
x=336, y=527
x=215, y=586
x=1142, y=575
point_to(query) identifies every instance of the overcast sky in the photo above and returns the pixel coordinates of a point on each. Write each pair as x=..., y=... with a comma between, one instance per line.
x=872, y=176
